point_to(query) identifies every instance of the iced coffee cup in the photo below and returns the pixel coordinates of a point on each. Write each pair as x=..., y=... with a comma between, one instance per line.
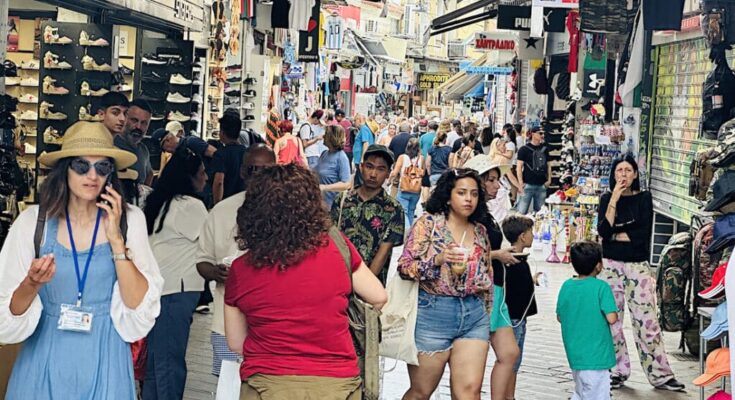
x=459, y=267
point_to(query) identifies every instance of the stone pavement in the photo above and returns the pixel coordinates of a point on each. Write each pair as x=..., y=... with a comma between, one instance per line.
x=544, y=373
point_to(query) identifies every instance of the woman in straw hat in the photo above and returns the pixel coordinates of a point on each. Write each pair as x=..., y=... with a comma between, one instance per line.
x=91, y=288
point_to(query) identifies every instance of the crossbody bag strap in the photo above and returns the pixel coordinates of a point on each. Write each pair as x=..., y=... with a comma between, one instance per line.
x=344, y=251
x=341, y=207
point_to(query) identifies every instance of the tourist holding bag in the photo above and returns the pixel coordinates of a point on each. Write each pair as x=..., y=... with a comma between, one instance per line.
x=447, y=254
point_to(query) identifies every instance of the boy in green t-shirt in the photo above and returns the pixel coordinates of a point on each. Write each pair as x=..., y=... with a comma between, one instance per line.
x=586, y=309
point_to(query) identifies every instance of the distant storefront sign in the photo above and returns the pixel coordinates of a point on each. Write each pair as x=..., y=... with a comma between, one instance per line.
x=431, y=81
x=518, y=18
x=556, y=3
x=499, y=41
x=487, y=70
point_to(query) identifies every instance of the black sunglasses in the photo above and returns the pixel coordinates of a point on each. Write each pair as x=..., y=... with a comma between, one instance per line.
x=81, y=166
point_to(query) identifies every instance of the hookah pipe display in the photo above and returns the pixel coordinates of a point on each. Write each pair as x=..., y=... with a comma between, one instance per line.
x=567, y=237
x=553, y=257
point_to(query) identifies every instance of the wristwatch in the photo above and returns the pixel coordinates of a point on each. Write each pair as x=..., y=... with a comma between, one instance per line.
x=126, y=256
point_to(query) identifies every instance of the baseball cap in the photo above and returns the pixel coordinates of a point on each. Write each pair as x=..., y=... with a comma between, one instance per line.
x=718, y=283
x=723, y=233
x=482, y=163
x=717, y=366
x=380, y=150
x=423, y=122
x=339, y=113
x=174, y=127
x=723, y=190
x=159, y=134
x=718, y=326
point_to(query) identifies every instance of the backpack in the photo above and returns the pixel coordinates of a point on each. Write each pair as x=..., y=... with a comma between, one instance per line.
x=411, y=177
x=540, y=81
x=717, y=99
x=674, y=284
x=701, y=173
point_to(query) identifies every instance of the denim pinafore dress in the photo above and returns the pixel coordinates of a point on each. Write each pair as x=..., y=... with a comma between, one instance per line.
x=57, y=364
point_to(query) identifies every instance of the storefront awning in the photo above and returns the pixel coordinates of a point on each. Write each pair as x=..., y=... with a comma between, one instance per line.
x=477, y=91
x=470, y=14
x=392, y=50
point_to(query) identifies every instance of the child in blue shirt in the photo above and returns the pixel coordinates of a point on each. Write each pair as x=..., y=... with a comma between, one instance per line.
x=586, y=309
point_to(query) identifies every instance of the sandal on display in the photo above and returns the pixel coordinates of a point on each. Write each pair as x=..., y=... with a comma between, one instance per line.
x=51, y=61
x=86, y=91
x=89, y=64
x=51, y=36
x=45, y=113
x=51, y=89
x=86, y=40
x=52, y=136
x=84, y=115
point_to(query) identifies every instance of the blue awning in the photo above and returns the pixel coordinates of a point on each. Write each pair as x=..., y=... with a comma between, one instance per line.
x=477, y=91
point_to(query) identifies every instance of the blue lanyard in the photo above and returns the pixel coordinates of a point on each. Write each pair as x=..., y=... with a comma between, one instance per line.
x=82, y=278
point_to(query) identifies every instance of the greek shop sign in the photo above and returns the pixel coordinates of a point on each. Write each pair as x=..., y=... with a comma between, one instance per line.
x=499, y=41
x=431, y=81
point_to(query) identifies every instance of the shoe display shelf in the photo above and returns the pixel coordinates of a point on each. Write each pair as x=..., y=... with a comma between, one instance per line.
x=164, y=77
x=75, y=72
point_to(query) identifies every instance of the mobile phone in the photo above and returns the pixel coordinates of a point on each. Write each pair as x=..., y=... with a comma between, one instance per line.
x=104, y=188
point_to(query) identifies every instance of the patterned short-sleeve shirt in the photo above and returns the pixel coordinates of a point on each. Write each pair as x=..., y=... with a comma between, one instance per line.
x=369, y=223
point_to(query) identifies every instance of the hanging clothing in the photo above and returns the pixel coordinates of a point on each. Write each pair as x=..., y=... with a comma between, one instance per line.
x=660, y=15
x=335, y=32
x=280, y=14
x=300, y=13
x=572, y=20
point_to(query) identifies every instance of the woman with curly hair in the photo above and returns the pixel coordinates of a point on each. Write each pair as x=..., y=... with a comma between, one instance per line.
x=448, y=253
x=286, y=297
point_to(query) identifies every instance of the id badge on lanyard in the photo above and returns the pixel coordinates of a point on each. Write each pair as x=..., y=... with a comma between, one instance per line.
x=74, y=317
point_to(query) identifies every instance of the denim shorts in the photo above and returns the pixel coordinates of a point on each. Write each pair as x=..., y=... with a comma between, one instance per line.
x=519, y=330
x=443, y=319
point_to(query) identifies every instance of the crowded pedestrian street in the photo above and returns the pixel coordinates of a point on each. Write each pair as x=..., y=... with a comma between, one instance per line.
x=367, y=199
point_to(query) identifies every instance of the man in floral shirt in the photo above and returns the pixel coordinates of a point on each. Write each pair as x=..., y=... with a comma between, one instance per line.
x=370, y=217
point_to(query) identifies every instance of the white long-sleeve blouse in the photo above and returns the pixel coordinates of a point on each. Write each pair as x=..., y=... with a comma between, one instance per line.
x=15, y=261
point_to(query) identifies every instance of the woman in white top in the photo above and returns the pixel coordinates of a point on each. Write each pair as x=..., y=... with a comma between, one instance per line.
x=91, y=287
x=175, y=216
x=503, y=152
x=406, y=196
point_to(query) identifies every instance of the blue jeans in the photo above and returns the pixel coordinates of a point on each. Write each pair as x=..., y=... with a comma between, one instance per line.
x=441, y=320
x=531, y=193
x=165, y=371
x=519, y=330
x=408, y=202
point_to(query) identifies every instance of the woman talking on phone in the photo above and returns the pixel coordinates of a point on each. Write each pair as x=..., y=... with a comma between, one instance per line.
x=448, y=253
x=625, y=225
x=92, y=287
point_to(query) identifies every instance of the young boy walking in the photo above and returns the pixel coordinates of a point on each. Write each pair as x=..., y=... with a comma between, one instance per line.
x=519, y=285
x=586, y=309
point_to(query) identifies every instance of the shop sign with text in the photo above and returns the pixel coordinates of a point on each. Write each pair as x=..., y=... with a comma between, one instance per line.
x=431, y=81
x=518, y=18
x=499, y=41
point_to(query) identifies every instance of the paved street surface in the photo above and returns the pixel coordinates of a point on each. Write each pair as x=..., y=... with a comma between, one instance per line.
x=544, y=374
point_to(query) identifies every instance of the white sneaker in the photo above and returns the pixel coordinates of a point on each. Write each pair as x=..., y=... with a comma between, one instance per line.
x=11, y=81
x=248, y=106
x=123, y=88
x=178, y=79
x=197, y=98
x=32, y=82
x=177, y=98
x=51, y=136
x=51, y=61
x=177, y=116
x=31, y=64
x=84, y=41
x=51, y=89
x=89, y=64
x=28, y=98
x=87, y=91
x=28, y=116
x=51, y=36
x=84, y=115
x=45, y=113
x=151, y=61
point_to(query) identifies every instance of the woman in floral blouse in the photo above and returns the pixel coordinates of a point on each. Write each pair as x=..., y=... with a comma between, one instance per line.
x=448, y=252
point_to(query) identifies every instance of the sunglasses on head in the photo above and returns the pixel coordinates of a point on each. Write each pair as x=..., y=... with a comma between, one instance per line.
x=102, y=167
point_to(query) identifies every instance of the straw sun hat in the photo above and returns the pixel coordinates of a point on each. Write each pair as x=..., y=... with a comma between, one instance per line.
x=88, y=139
x=482, y=163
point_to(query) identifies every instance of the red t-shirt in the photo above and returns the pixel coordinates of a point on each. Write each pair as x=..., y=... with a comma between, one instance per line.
x=297, y=318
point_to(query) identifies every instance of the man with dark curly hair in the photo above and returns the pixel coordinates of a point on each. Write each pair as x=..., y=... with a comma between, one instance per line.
x=370, y=217
x=216, y=243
